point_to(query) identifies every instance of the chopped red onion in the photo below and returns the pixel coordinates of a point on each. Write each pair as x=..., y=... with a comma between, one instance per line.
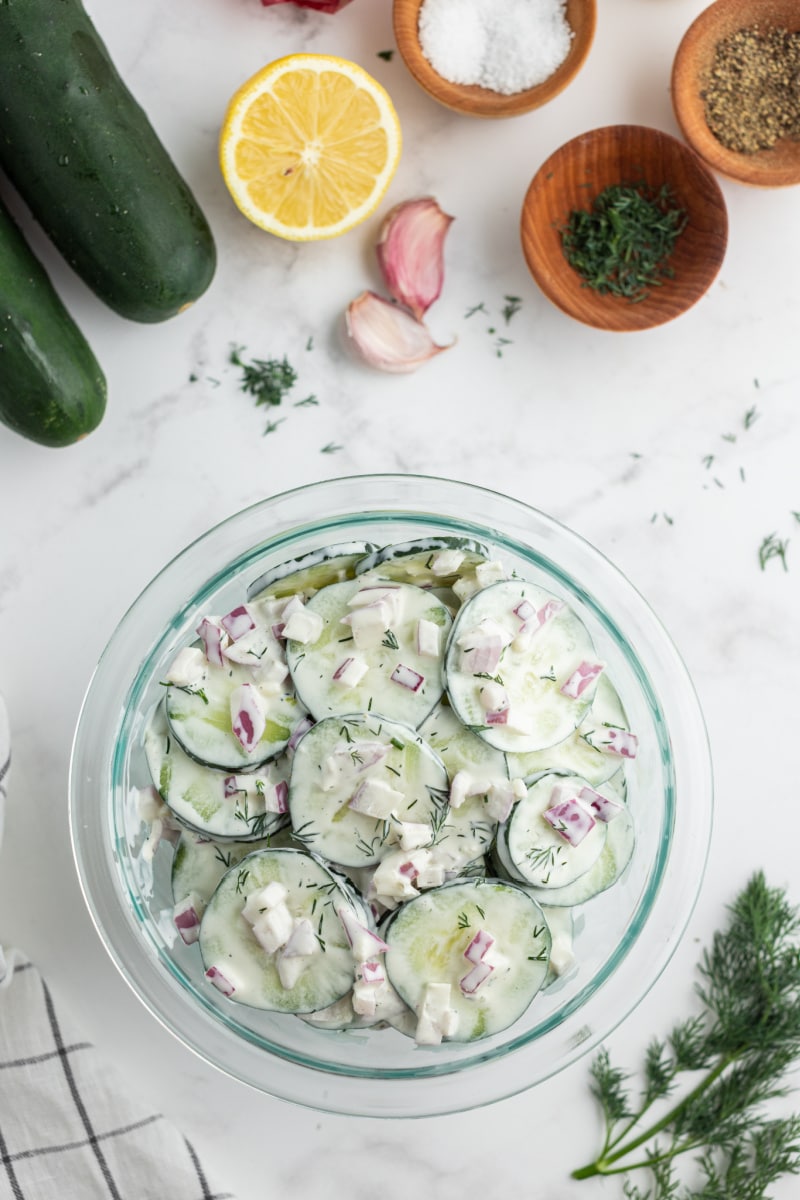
x=580, y=679
x=237, y=622
x=362, y=941
x=220, y=981
x=300, y=728
x=475, y=977
x=231, y=787
x=407, y=678
x=372, y=972
x=187, y=920
x=340, y=670
x=408, y=870
x=500, y=717
x=281, y=796
x=481, y=942
x=248, y=719
x=524, y=610
x=623, y=743
x=483, y=656
x=211, y=636
x=277, y=630
x=603, y=807
x=571, y=820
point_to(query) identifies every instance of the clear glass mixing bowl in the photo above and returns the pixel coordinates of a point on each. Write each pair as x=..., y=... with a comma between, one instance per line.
x=627, y=934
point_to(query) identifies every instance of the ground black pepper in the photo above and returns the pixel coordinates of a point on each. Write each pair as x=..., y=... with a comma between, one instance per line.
x=752, y=92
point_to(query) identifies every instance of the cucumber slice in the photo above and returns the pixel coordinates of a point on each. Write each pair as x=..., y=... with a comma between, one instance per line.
x=605, y=871
x=561, y=923
x=415, y=561
x=200, y=862
x=200, y=720
x=534, y=851
x=429, y=935
x=406, y=697
x=207, y=800
x=585, y=751
x=228, y=944
x=309, y=572
x=339, y=755
x=530, y=672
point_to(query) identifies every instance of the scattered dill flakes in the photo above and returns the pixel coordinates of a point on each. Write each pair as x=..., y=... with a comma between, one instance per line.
x=512, y=306
x=708, y=460
x=307, y=403
x=271, y=426
x=728, y=437
x=310, y=343
x=500, y=343
x=621, y=245
x=773, y=547
x=331, y=448
x=268, y=380
x=796, y=515
x=750, y=416
x=386, y=55
x=476, y=308
x=193, y=378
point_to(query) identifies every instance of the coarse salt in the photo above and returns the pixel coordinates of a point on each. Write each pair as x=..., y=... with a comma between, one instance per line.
x=503, y=45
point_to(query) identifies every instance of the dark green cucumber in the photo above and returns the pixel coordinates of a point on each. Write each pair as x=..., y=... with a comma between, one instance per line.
x=52, y=389
x=89, y=165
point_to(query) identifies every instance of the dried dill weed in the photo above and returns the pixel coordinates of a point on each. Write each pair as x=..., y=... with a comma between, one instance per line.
x=752, y=91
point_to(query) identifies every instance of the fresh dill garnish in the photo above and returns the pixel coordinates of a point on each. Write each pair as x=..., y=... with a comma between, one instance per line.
x=307, y=403
x=745, y=1041
x=310, y=342
x=481, y=911
x=728, y=437
x=708, y=460
x=396, y=742
x=463, y=921
x=750, y=416
x=271, y=426
x=796, y=515
x=621, y=245
x=512, y=306
x=268, y=380
x=773, y=547
x=225, y=859
x=486, y=675
x=241, y=879
x=331, y=448
x=390, y=640
x=476, y=308
x=386, y=55
x=185, y=687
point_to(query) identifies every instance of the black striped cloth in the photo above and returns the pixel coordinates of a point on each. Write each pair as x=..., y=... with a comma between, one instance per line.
x=69, y=1130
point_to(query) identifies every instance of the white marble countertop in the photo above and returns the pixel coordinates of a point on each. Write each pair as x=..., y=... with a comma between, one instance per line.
x=639, y=442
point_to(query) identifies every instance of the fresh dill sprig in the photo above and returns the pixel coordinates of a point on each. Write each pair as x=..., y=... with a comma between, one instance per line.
x=512, y=306
x=186, y=688
x=268, y=380
x=745, y=1041
x=773, y=547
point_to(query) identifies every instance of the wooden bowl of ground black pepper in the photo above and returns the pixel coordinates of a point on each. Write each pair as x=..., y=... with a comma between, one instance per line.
x=736, y=90
x=663, y=172
x=472, y=99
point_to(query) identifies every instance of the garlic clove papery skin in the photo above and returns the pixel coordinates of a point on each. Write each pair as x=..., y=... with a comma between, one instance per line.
x=387, y=337
x=410, y=252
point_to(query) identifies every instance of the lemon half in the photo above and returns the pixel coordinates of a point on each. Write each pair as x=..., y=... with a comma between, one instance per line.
x=309, y=146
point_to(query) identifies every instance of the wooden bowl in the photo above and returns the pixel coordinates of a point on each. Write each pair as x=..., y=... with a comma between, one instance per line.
x=477, y=101
x=777, y=167
x=584, y=167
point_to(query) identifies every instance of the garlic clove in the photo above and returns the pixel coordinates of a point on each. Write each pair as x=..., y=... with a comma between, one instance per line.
x=388, y=337
x=410, y=251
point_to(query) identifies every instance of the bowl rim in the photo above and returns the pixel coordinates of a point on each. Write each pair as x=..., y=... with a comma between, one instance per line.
x=411, y=1095
x=472, y=99
x=701, y=36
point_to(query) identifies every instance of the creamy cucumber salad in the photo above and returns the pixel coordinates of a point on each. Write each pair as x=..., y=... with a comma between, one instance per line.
x=390, y=775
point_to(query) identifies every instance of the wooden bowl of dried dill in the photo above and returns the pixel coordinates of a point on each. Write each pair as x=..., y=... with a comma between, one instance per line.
x=736, y=89
x=624, y=227
x=494, y=58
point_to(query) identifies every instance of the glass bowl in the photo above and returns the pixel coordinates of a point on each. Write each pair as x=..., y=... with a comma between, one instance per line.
x=625, y=936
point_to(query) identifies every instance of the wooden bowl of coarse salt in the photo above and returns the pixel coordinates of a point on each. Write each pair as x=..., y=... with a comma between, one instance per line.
x=494, y=58
x=736, y=89
x=618, y=160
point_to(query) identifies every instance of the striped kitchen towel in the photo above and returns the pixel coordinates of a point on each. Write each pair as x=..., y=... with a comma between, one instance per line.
x=70, y=1130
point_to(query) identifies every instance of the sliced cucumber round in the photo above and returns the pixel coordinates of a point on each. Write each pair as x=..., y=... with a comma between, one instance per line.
x=392, y=675
x=534, y=851
x=531, y=670
x=426, y=562
x=344, y=764
x=309, y=572
x=235, y=958
x=200, y=719
x=613, y=859
x=200, y=862
x=211, y=802
x=585, y=752
x=429, y=936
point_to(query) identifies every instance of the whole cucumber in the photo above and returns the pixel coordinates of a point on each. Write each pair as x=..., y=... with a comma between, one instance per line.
x=52, y=389
x=89, y=165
